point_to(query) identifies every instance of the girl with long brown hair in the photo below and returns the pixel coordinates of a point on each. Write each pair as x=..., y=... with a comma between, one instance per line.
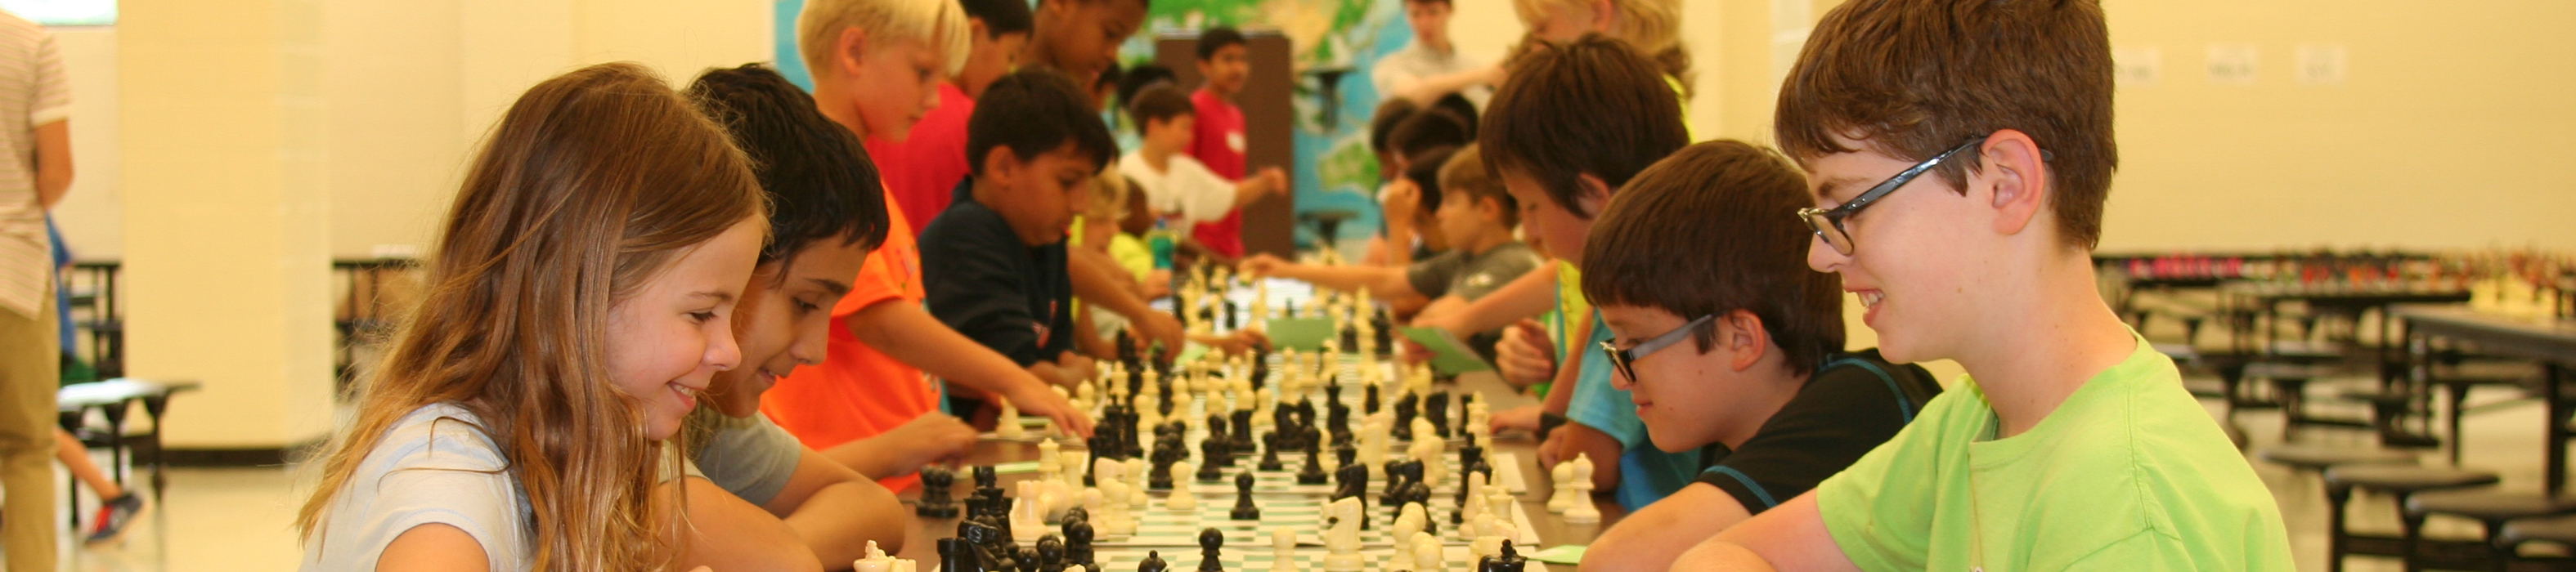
x=580, y=299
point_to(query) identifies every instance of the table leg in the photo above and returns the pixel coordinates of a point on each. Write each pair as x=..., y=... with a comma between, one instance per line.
x=154, y=406
x=2555, y=478
x=116, y=440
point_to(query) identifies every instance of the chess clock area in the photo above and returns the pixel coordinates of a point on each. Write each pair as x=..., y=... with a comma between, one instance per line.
x=1296, y=461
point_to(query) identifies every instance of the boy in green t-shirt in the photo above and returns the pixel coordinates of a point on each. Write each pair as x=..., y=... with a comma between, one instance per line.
x=1960, y=155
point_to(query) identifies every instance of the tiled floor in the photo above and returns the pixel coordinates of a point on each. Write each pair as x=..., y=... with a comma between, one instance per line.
x=239, y=519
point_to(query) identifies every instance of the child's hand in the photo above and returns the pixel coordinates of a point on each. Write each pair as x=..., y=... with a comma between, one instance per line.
x=1524, y=418
x=1525, y=355
x=1158, y=283
x=1036, y=400
x=1402, y=199
x=1273, y=180
x=1240, y=342
x=932, y=437
x=1158, y=327
x=1259, y=265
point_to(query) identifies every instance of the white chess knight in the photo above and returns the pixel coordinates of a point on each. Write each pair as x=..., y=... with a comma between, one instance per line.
x=1342, y=539
x=1283, y=550
x=1028, y=513
x=1373, y=442
x=1008, y=426
x=1563, y=477
x=1181, y=500
x=1579, y=510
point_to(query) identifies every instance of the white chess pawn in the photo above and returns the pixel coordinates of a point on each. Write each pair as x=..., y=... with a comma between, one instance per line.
x=1579, y=510
x=1181, y=500
x=1028, y=519
x=1050, y=461
x=1135, y=476
x=907, y=565
x=1563, y=477
x=1283, y=550
x=1407, y=521
x=1072, y=462
x=1008, y=426
x=1427, y=554
x=1085, y=395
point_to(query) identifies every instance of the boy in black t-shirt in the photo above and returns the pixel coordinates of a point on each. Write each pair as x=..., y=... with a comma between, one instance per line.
x=993, y=263
x=1730, y=345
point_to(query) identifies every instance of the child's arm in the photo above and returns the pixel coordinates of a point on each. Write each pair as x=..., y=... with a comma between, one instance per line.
x=1791, y=535
x=725, y=532
x=1268, y=182
x=837, y=510
x=1429, y=90
x=1525, y=297
x=907, y=447
x=1094, y=279
x=1403, y=199
x=1651, y=537
x=910, y=334
x=433, y=547
x=1444, y=306
x=1381, y=281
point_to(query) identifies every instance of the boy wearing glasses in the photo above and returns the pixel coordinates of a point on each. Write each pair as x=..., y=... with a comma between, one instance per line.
x=1960, y=155
x=1729, y=346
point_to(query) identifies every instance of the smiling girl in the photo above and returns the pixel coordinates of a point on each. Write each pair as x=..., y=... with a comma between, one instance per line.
x=581, y=298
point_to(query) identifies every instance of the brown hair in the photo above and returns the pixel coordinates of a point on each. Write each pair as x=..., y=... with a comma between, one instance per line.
x=1465, y=173
x=1589, y=107
x=1706, y=231
x=1913, y=78
x=592, y=183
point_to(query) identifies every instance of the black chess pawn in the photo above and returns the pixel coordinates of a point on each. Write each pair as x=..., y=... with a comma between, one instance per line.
x=1313, y=473
x=1243, y=507
x=1210, y=471
x=1160, y=477
x=1270, y=453
x=1368, y=400
x=955, y=555
x=1050, y=554
x=1026, y=559
x=1233, y=320
x=936, y=499
x=1211, y=549
x=1077, y=544
x=1153, y=562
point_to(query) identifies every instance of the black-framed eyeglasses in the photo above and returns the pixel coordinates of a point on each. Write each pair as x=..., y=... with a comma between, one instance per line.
x=1828, y=223
x=1621, y=358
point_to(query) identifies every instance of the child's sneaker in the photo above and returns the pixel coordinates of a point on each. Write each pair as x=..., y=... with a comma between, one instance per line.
x=113, y=518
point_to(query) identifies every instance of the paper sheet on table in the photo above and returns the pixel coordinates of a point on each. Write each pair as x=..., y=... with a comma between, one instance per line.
x=1449, y=356
x=1561, y=554
x=1304, y=334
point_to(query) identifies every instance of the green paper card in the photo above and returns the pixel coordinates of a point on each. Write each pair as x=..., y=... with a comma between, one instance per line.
x=1304, y=334
x=1449, y=356
x=1562, y=554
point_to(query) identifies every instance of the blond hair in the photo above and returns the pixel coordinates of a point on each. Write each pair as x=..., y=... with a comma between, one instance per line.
x=1652, y=27
x=1108, y=196
x=593, y=182
x=938, y=24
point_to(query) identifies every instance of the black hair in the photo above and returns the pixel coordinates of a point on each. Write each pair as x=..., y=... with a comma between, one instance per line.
x=1389, y=114
x=818, y=178
x=1001, y=17
x=1140, y=77
x=1424, y=171
x=1217, y=38
x=1428, y=129
x=1590, y=107
x=1458, y=104
x=1033, y=111
x=1159, y=102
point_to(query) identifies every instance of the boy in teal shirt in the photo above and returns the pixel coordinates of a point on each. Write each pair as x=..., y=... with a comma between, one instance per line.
x=2072, y=444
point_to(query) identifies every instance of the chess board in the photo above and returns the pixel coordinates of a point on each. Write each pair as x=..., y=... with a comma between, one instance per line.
x=1262, y=558
x=1158, y=527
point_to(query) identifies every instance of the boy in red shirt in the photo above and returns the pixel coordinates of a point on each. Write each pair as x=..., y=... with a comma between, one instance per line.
x=919, y=171
x=1219, y=142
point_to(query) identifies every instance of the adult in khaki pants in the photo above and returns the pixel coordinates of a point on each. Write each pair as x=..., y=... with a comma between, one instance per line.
x=35, y=170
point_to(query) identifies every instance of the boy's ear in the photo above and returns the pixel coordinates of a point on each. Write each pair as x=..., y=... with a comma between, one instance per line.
x=1001, y=165
x=1743, y=337
x=849, y=47
x=976, y=29
x=2011, y=165
x=1591, y=193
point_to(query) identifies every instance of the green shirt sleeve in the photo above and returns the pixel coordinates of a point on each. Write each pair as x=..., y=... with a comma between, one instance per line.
x=1880, y=510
